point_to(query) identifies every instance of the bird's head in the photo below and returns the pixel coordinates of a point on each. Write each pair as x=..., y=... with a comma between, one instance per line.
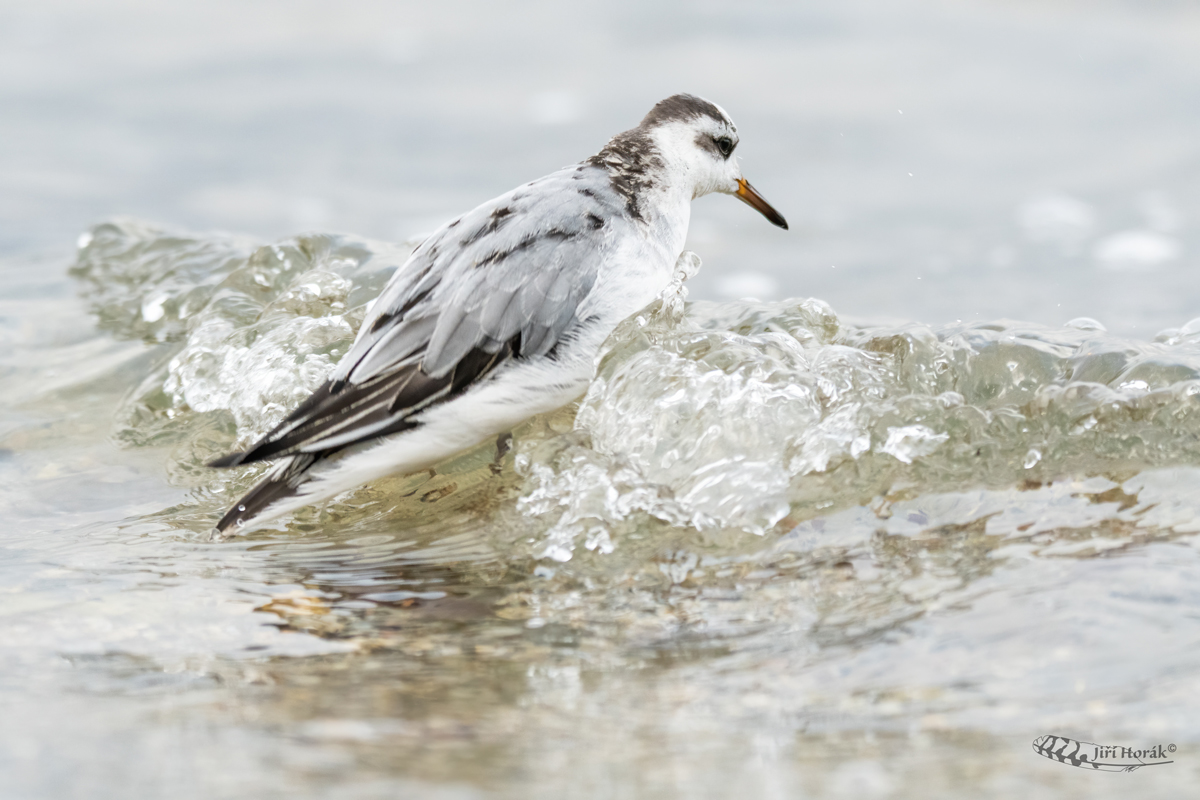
x=697, y=140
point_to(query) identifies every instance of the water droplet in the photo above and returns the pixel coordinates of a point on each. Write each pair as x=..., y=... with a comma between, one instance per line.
x=1085, y=324
x=1032, y=458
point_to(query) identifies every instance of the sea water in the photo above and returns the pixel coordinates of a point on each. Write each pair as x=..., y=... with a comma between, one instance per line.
x=770, y=549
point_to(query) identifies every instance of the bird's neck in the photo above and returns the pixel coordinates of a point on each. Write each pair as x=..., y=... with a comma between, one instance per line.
x=640, y=174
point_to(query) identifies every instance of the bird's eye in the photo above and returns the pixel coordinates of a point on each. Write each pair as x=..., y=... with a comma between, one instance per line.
x=725, y=145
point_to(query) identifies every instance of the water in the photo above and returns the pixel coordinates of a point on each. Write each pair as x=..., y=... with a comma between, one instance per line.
x=869, y=541
x=802, y=552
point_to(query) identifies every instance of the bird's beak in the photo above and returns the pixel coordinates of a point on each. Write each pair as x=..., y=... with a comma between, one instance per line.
x=750, y=196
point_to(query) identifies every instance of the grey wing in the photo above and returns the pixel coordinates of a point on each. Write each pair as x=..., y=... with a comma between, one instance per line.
x=520, y=264
x=504, y=281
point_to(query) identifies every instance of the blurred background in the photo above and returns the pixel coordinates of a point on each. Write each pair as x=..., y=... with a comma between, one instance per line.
x=937, y=159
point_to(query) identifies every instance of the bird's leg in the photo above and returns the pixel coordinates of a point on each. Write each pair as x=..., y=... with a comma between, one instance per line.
x=503, y=445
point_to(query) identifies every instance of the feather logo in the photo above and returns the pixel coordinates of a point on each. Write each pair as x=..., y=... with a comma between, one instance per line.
x=1101, y=757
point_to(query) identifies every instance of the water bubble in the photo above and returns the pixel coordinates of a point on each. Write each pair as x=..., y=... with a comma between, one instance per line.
x=1085, y=324
x=1032, y=458
x=911, y=441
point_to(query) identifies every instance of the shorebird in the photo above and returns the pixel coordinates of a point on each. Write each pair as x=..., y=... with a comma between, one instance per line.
x=498, y=315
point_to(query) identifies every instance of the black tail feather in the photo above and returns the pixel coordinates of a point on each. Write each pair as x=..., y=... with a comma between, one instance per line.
x=280, y=483
x=231, y=460
x=379, y=406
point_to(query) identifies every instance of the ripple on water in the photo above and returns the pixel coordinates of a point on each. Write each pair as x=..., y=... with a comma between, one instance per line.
x=759, y=509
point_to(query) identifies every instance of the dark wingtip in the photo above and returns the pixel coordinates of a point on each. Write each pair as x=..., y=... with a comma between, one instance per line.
x=230, y=519
x=231, y=460
x=281, y=482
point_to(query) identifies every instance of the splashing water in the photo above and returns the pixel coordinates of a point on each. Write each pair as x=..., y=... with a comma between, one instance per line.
x=251, y=331
x=762, y=519
x=714, y=418
x=736, y=416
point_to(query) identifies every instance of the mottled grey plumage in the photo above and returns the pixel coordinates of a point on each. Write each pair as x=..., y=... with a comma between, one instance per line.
x=517, y=265
x=506, y=304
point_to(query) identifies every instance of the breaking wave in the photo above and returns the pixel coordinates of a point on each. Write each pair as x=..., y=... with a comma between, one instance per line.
x=730, y=418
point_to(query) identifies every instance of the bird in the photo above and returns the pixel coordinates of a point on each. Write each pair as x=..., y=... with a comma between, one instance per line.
x=497, y=315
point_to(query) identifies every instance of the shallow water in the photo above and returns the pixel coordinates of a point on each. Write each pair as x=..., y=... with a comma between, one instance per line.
x=772, y=552
x=867, y=545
